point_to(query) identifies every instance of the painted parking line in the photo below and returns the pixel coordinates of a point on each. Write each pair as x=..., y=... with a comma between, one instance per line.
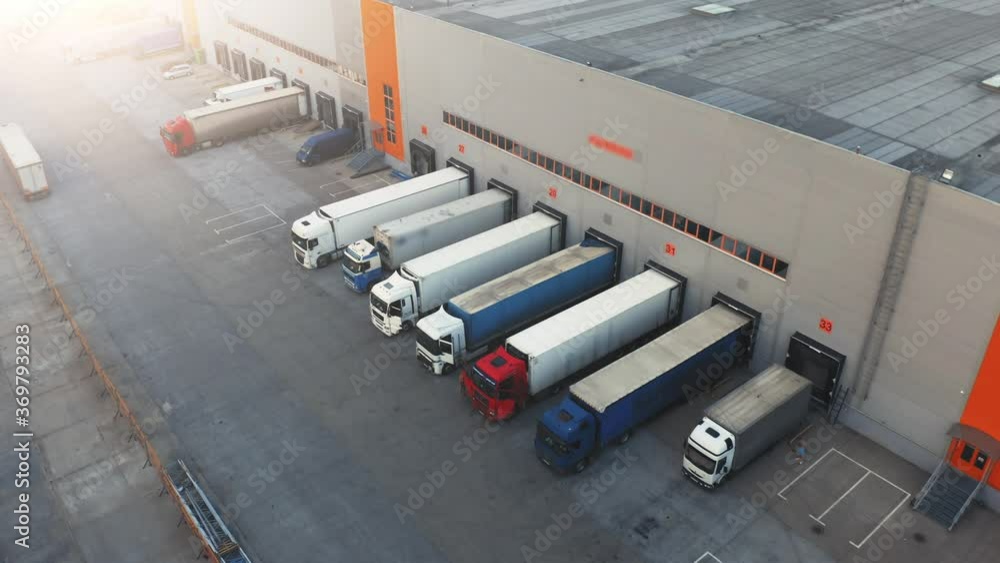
x=379, y=184
x=707, y=554
x=781, y=493
x=868, y=472
x=259, y=214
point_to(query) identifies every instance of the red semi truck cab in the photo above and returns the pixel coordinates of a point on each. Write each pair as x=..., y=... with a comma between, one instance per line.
x=498, y=384
x=177, y=135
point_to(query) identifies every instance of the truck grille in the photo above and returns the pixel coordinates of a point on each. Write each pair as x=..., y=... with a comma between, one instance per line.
x=299, y=257
x=480, y=403
x=424, y=361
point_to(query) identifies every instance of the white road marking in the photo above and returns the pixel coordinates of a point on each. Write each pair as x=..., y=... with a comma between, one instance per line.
x=862, y=466
x=354, y=189
x=781, y=493
x=234, y=213
x=256, y=232
x=882, y=523
x=264, y=216
x=836, y=502
x=707, y=554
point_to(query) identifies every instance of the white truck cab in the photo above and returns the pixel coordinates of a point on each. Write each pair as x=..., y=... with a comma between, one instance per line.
x=708, y=454
x=440, y=338
x=313, y=240
x=394, y=305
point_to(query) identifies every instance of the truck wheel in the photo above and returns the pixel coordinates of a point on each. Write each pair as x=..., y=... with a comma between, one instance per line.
x=407, y=325
x=580, y=466
x=371, y=284
x=323, y=261
x=625, y=437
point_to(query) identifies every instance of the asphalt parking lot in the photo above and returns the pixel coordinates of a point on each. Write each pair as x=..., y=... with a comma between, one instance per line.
x=321, y=439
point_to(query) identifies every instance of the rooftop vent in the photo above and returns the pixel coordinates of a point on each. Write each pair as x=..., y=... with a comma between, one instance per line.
x=711, y=10
x=992, y=83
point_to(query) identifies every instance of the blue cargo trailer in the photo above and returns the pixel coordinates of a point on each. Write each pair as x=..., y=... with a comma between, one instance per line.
x=468, y=324
x=605, y=407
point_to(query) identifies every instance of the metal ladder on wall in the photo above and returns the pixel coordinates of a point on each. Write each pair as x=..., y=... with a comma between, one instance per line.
x=837, y=405
x=911, y=210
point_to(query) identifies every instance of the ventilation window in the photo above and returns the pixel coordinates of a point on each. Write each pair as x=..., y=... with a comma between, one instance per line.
x=711, y=10
x=565, y=416
x=712, y=432
x=498, y=361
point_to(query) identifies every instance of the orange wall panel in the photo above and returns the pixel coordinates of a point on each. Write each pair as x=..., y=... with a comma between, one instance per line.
x=982, y=411
x=378, y=23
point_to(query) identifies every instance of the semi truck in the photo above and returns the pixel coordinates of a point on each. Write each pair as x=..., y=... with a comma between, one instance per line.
x=745, y=423
x=369, y=262
x=243, y=90
x=425, y=283
x=323, y=235
x=212, y=126
x=154, y=42
x=469, y=324
x=607, y=406
x=23, y=161
x=543, y=357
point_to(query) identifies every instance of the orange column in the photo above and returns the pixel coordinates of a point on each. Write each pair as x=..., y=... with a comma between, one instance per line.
x=982, y=411
x=378, y=25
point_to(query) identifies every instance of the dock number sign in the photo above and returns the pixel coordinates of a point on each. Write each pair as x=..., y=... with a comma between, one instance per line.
x=826, y=325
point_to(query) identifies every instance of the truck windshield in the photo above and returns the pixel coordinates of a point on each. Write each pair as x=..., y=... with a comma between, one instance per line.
x=379, y=304
x=298, y=241
x=484, y=383
x=551, y=440
x=430, y=344
x=356, y=267
x=167, y=135
x=700, y=460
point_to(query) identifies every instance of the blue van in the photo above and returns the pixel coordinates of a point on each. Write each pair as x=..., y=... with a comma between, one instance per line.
x=325, y=145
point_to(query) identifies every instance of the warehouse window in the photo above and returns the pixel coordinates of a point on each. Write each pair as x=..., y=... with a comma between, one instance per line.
x=390, y=114
x=720, y=241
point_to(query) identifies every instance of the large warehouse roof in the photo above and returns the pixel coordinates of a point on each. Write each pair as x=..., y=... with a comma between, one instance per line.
x=900, y=79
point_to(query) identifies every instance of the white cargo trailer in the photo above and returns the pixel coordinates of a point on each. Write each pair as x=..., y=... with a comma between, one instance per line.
x=321, y=236
x=425, y=283
x=367, y=263
x=23, y=161
x=243, y=90
x=572, y=340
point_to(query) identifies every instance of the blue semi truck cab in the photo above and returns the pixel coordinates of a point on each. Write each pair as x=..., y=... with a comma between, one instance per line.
x=362, y=266
x=607, y=406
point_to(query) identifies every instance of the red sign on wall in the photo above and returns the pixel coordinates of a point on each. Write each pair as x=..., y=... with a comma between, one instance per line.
x=826, y=325
x=423, y=130
x=670, y=249
x=461, y=149
x=607, y=145
x=553, y=192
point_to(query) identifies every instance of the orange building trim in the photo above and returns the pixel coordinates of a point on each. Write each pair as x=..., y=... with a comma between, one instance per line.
x=982, y=411
x=378, y=25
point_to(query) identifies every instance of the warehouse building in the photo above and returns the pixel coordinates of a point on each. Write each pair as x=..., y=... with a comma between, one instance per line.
x=833, y=165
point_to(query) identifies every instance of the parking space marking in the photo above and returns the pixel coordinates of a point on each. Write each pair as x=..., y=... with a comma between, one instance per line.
x=707, y=554
x=862, y=466
x=781, y=493
x=882, y=523
x=836, y=502
x=268, y=214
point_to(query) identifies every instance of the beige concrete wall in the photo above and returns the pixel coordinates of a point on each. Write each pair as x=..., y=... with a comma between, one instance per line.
x=313, y=26
x=943, y=321
x=795, y=205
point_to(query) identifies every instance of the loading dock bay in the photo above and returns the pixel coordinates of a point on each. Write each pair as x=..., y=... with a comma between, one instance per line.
x=844, y=497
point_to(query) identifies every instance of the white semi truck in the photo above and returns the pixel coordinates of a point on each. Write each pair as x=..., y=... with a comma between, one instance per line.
x=425, y=283
x=321, y=237
x=367, y=262
x=742, y=425
x=23, y=161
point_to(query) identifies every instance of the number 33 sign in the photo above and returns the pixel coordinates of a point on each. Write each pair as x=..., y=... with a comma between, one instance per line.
x=826, y=325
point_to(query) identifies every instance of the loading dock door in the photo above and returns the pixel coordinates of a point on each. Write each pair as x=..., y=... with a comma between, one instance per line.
x=326, y=110
x=817, y=363
x=354, y=119
x=279, y=74
x=422, y=158
x=257, y=69
x=308, y=91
